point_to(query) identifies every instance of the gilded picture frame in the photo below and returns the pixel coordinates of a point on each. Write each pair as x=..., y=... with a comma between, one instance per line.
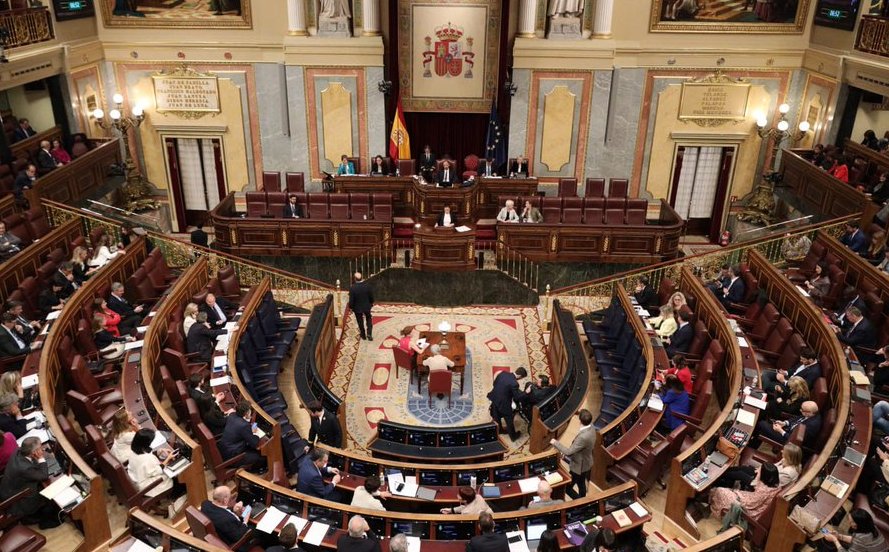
x=691, y=16
x=204, y=14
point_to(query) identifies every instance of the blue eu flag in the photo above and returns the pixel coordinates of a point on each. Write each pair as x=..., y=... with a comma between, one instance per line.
x=495, y=142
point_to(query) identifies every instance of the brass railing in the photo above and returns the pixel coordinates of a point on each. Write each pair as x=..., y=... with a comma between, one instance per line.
x=873, y=35
x=517, y=266
x=376, y=259
x=27, y=26
x=596, y=294
x=287, y=287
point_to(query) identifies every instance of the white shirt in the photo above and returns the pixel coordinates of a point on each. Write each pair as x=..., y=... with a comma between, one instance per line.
x=103, y=255
x=219, y=312
x=187, y=323
x=446, y=174
x=507, y=215
x=121, y=449
x=446, y=219
x=364, y=499
x=17, y=339
x=144, y=469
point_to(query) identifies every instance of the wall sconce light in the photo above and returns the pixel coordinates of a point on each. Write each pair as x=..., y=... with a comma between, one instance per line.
x=780, y=132
x=510, y=87
x=385, y=87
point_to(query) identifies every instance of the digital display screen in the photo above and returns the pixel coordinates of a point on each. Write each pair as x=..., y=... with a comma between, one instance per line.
x=839, y=14
x=73, y=9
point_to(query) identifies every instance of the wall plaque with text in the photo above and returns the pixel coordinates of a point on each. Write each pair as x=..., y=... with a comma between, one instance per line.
x=197, y=94
x=709, y=100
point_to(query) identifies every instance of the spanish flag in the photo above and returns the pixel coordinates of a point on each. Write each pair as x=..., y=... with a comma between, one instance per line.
x=399, y=141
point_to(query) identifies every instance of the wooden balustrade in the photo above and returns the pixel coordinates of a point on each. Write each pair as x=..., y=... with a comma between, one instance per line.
x=78, y=179
x=27, y=26
x=873, y=35
x=27, y=148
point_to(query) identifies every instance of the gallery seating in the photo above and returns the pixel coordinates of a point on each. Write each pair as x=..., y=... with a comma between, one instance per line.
x=322, y=206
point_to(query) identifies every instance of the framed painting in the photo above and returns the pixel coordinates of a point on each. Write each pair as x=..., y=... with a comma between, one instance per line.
x=182, y=14
x=741, y=16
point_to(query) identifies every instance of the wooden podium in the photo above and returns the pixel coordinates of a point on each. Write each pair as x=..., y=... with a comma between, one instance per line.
x=444, y=249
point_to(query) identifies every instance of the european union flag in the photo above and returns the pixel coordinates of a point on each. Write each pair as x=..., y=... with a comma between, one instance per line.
x=495, y=143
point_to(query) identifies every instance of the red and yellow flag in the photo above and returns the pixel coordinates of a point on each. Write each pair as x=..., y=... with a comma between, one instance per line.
x=399, y=141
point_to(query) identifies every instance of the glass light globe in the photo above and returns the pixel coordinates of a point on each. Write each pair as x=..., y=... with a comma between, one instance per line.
x=782, y=125
x=138, y=110
x=444, y=326
x=783, y=108
x=804, y=126
x=762, y=122
x=118, y=98
x=115, y=114
x=99, y=114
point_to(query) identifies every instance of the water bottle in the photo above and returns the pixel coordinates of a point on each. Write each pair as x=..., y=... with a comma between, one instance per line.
x=472, y=481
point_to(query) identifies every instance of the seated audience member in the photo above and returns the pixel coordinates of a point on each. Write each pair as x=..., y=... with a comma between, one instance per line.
x=680, y=368
x=28, y=470
x=199, y=237
x=854, y=238
x=48, y=300
x=123, y=429
x=720, y=281
x=470, y=503
x=446, y=219
x=324, y=427
x=665, y=323
x=201, y=339
x=535, y=393
x=80, y=265
x=208, y=403
x=787, y=401
x=779, y=430
x=874, y=253
x=45, y=161
x=239, y=436
x=64, y=275
x=11, y=418
x=859, y=333
x=144, y=467
x=870, y=140
x=446, y=176
x=819, y=285
x=27, y=329
x=11, y=342
x=358, y=538
x=10, y=244
x=681, y=339
x=312, y=471
x=288, y=536
x=109, y=346
x=883, y=265
x=112, y=319
x=23, y=131
x=789, y=468
x=775, y=382
x=408, y=344
x=881, y=417
x=487, y=168
x=398, y=543
x=645, y=296
x=218, y=310
x=548, y=542
x=379, y=167
x=530, y=213
x=24, y=181
x=59, y=153
x=519, y=168
x=189, y=317
x=735, y=290
x=8, y=448
x=369, y=495
x=754, y=503
x=863, y=535
x=437, y=362
x=508, y=213
x=102, y=254
x=487, y=540
x=292, y=209
x=11, y=382
x=130, y=316
x=345, y=167
x=795, y=249
x=544, y=496
x=676, y=401
x=678, y=302
x=226, y=519
x=840, y=169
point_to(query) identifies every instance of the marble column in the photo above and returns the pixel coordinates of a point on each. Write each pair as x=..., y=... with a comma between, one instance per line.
x=527, y=18
x=602, y=19
x=370, y=11
x=296, y=18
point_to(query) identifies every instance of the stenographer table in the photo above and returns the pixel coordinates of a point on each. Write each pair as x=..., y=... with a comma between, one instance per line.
x=456, y=350
x=444, y=248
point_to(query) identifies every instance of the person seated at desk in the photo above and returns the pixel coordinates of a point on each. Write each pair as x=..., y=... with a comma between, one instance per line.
x=487, y=168
x=199, y=237
x=208, y=403
x=754, y=503
x=427, y=164
x=292, y=209
x=398, y=543
x=863, y=535
x=508, y=213
x=519, y=168
x=487, y=540
x=226, y=520
x=859, y=333
x=680, y=368
x=438, y=362
x=324, y=426
x=780, y=430
x=59, y=153
x=789, y=468
x=189, y=317
x=11, y=342
x=379, y=167
x=676, y=401
x=10, y=244
x=48, y=300
x=346, y=167
x=144, y=467
x=788, y=402
x=80, y=265
x=11, y=418
x=470, y=503
x=201, y=339
x=287, y=540
x=112, y=319
x=103, y=254
x=408, y=344
x=775, y=383
x=854, y=238
x=819, y=285
x=64, y=275
x=11, y=382
x=544, y=496
x=368, y=496
x=23, y=131
x=503, y=396
x=24, y=181
x=239, y=436
x=28, y=470
x=312, y=471
x=665, y=323
x=130, y=316
x=446, y=176
x=645, y=295
x=535, y=393
x=110, y=347
x=680, y=341
x=123, y=428
x=446, y=219
x=735, y=290
x=218, y=309
x=27, y=329
x=531, y=214
x=45, y=161
x=8, y=448
x=359, y=537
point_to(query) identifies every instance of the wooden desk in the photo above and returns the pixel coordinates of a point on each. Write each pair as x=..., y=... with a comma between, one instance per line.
x=79, y=178
x=444, y=249
x=492, y=188
x=456, y=350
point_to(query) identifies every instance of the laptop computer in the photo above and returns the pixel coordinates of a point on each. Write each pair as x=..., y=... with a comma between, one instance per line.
x=426, y=493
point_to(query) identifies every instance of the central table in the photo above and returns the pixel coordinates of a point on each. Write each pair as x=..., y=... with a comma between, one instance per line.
x=456, y=351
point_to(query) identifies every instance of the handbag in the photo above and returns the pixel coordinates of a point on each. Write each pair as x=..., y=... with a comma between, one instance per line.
x=726, y=447
x=113, y=351
x=878, y=496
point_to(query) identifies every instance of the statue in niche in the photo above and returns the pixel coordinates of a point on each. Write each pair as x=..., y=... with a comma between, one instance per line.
x=334, y=18
x=565, y=18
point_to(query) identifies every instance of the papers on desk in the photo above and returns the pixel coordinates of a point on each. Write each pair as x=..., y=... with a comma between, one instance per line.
x=159, y=440
x=224, y=380
x=463, y=229
x=130, y=345
x=642, y=312
x=516, y=541
x=553, y=477
x=142, y=329
x=270, y=520
x=529, y=484
x=297, y=522
x=63, y=491
x=53, y=315
x=802, y=291
x=35, y=419
x=404, y=489
x=220, y=361
x=413, y=544
x=316, y=533
x=655, y=402
x=29, y=381
x=754, y=402
x=231, y=326
x=42, y=434
x=45, y=329
x=733, y=324
x=742, y=342
x=746, y=417
x=152, y=313
x=638, y=509
x=140, y=546
x=858, y=378
x=422, y=343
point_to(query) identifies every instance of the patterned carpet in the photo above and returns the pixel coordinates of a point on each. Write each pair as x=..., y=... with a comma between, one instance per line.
x=497, y=338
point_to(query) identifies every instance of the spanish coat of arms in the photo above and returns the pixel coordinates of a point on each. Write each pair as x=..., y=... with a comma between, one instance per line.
x=448, y=53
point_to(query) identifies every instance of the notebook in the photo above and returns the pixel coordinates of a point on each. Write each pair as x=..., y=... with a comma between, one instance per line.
x=717, y=458
x=426, y=493
x=491, y=491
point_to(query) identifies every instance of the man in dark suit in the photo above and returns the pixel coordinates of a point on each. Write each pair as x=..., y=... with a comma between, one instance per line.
x=312, y=471
x=735, y=290
x=487, y=540
x=519, y=168
x=28, y=329
x=446, y=176
x=487, y=167
x=504, y=396
x=64, y=277
x=292, y=209
x=359, y=538
x=199, y=237
x=45, y=161
x=854, y=238
x=780, y=430
x=361, y=301
x=27, y=469
x=858, y=334
x=218, y=309
x=427, y=164
x=722, y=280
x=201, y=338
x=238, y=437
x=681, y=339
x=226, y=521
x=49, y=300
x=446, y=218
x=130, y=316
x=23, y=131
x=10, y=244
x=775, y=383
x=24, y=181
x=11, y=342
x=535, y=393
x=325, y=428
x=644, y=294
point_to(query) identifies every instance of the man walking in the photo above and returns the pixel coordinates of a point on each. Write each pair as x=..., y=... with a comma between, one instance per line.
x=361, y=301
x=579, y=454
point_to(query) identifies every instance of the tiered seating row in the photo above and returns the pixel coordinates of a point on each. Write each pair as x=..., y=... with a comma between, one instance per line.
x=322, y=206
x=589, y=210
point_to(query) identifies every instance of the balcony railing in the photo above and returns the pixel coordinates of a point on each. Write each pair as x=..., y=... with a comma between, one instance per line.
x=27, y=26
x=873, y=35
